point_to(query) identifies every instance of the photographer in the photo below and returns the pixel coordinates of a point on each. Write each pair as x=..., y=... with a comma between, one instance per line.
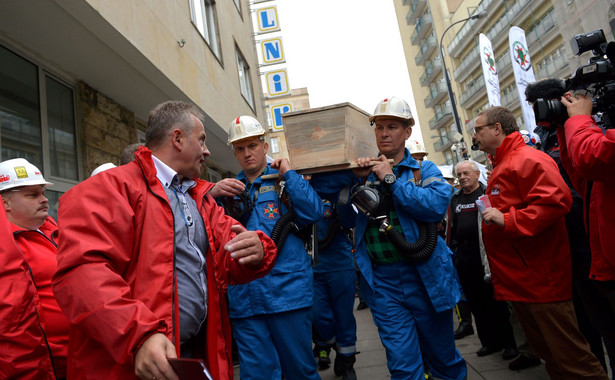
x=588, y=154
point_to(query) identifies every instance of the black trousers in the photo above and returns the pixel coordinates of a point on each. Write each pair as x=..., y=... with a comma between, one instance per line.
x=491, y=317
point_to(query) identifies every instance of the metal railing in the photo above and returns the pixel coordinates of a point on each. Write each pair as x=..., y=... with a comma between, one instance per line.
x=472, y=88
x=433, y=67
x=467, y=65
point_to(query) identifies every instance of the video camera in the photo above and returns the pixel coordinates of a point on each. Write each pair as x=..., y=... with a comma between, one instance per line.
x=597, y=77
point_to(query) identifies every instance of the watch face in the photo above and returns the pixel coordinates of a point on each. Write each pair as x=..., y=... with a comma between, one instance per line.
x=389, y=178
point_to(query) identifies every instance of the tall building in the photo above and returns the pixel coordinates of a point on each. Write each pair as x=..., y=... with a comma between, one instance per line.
x=548, y=24
x=78, y=78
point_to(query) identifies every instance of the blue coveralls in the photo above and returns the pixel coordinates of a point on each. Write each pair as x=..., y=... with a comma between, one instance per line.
x=271, y=316
x=335, y=282
x=411, y=303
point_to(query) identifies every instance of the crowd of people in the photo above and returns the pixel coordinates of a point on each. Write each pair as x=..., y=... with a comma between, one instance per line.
x=151, y=267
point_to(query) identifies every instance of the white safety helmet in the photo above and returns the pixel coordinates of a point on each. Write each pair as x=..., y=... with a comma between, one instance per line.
x=19, y=172
x=393, y=107
x=447, y=171
x=102, y=168
x=530, y=138
x=416, y=147
x=243, y=127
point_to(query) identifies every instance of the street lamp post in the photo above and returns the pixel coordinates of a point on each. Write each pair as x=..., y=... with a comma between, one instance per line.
x=451, y=95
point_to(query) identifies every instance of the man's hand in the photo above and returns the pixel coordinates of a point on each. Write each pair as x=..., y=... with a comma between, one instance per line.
x=364, y=167
x=246, y=246
x=282, y=165
x=151, y=359
x=382, y=167
x=228, y=187
x=577, y=104
x=493, y=215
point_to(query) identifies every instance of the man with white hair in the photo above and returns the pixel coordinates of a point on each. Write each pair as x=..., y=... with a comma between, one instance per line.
x=491, y=317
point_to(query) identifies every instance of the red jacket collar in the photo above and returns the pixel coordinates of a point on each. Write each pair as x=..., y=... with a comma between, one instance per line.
x=510, y=143
x=143, y=157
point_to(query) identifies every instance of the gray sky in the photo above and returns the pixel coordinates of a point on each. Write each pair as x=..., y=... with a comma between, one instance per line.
x=344, y=51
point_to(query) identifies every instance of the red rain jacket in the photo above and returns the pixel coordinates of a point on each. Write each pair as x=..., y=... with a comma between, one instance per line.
x=23, y=347
x=116, y=274
x=588, y=154
x=530, y=256
x=40, y=250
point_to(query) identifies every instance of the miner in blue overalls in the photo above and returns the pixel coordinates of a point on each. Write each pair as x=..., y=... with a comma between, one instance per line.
x=334, y=288
x=271, y=316
x=410, y=282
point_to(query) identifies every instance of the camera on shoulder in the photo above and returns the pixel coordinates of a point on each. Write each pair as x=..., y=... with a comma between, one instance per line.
x=597, y=78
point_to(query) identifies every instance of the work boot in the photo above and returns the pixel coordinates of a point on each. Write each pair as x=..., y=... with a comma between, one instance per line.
x=322, y=355
x=344, y=366
x=464, y=330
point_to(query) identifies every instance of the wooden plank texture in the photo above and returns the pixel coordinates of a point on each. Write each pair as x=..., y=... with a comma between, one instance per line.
x=328, y=136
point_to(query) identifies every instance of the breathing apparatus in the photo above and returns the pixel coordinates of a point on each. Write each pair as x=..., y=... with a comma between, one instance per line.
x=241, y=206
x=376, y=203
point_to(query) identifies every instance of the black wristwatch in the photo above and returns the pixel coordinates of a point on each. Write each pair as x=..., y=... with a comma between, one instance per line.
x=389, y=179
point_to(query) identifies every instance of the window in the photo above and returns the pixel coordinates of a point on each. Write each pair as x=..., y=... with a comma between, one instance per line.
x=275, y=148
x=37, y=122
x=203, y=15
x=448, y=156
x=245, y=82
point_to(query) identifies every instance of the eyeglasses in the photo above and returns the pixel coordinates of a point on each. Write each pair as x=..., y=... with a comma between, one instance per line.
x=479, y=127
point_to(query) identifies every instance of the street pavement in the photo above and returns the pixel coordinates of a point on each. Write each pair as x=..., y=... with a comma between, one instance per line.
x=371, y=361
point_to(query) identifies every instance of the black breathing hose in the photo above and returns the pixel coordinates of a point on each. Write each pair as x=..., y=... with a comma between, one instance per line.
x=420, y=250
x=328, y=240
x=283, y=227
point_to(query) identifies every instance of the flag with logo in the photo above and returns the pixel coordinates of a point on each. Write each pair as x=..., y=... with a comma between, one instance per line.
x=490, y=72
x=524, y=73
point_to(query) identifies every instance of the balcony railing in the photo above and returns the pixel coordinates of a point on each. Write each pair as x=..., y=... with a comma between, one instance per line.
x=428, y=46
x=472, y=89
x=443, y=114
x=433, y=68
x=542, y=28
x=467, y=65
x=423, y=25
x=437, y=91
x=499, y=31
x=443, y=143
x=550, y=66
x=416, y=9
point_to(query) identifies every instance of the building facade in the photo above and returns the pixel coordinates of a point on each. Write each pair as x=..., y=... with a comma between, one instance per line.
x=78, y=78
x=548, y=24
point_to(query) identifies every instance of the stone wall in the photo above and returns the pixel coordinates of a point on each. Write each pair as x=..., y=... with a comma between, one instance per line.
x=107, y=128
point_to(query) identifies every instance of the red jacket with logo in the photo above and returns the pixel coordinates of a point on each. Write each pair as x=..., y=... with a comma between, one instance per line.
x=40, y=250
x=588, y=155
x=116, y=277
x=24, y=353
x=530, y=256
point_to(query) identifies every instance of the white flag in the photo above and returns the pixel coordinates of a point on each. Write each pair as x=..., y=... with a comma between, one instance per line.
x=524, y=73
x=490, y=72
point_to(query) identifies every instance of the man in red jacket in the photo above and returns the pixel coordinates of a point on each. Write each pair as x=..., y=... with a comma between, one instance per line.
x=146, y=256
x=588, y=154
x=23, y=193
x=530, y=262
x=22, y=340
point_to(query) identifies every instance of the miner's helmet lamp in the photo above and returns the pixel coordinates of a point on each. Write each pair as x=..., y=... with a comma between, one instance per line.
x=244, y=127
x=19, y=172
x=393, y=107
